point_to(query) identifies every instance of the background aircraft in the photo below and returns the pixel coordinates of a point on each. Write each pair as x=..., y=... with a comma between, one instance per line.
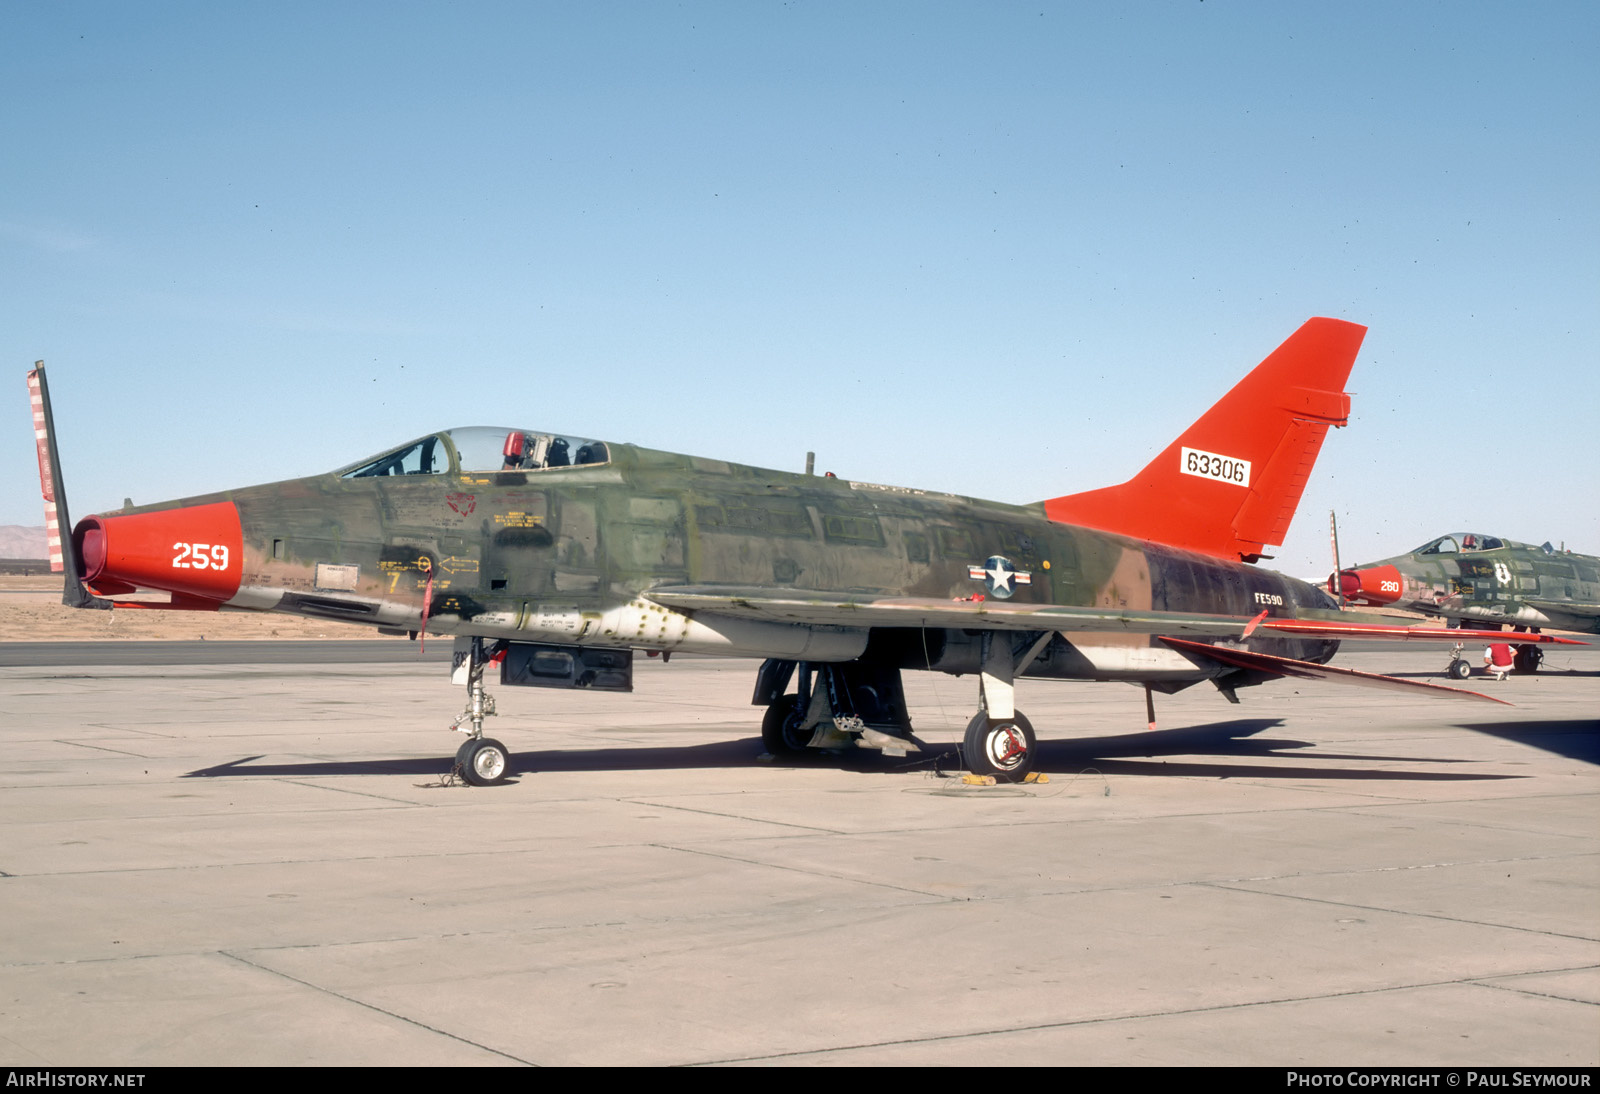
x=1486, y=582
x=556, y=557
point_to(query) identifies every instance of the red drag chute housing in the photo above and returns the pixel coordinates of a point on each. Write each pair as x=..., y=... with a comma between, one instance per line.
x=1374, y=586
x=191, y=551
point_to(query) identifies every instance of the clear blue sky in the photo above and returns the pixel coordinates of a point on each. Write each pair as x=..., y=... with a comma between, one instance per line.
x=999, y=249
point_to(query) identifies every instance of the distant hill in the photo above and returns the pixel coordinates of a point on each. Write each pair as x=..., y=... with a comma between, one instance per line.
x=20, y=541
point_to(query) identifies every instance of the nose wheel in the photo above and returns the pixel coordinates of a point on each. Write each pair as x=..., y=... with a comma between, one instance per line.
x=483, y=761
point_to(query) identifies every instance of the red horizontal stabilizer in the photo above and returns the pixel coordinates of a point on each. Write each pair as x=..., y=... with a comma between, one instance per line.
x=1229, y=486
x=1306, y=670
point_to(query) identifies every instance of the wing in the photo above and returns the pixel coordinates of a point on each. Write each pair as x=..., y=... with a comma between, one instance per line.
x=866, y=610
x=847, y=610
x=1310, y=626
x=1306, y=670
x=1566, y=607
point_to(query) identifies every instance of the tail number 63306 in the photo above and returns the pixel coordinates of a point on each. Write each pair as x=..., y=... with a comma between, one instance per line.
x=199, y=556
x=1209, y=465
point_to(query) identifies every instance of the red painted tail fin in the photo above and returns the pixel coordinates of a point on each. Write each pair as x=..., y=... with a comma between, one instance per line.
x=1230, y=484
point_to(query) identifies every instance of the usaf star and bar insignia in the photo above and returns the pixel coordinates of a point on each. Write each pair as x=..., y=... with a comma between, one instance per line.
x=999, y=576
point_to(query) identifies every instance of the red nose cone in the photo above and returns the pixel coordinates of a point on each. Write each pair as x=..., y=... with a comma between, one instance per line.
x=1376, y=585
x=197, y=550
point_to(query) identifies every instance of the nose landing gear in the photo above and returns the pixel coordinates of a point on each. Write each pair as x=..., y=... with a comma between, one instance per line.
x=481, y=761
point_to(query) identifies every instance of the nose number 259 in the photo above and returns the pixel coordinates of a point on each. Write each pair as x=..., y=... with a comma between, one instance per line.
x=200, y=556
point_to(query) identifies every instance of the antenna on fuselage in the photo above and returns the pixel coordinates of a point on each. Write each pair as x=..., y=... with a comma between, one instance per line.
x=811, y=463
x=1338, y=571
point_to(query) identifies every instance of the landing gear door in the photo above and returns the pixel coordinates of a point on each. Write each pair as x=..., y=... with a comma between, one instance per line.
x=536, y=665
x=461, y=661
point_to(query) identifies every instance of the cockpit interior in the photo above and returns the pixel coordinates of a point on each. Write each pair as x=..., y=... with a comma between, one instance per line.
x=482, y=449
x=1460, y=543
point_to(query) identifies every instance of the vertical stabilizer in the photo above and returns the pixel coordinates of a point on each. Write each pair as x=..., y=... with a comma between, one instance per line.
x=1229, y=485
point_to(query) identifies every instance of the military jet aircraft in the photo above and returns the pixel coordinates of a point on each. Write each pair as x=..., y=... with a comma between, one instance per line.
x=558, y=557
x=1486, y=582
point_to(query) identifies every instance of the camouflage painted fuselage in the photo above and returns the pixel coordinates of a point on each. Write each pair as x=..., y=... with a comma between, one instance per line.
x=1484, y=579
x=570, y=554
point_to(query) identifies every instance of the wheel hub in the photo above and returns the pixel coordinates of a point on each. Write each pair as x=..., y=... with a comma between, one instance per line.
x=1006, y=747
x=489, y=763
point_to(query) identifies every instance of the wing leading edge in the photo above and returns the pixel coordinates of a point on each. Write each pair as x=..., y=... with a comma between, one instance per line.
x=846, y=610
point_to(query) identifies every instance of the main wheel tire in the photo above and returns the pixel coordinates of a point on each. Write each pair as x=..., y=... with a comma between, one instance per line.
x=484, y=761
x=1004, y=749
x=1528, y=659
x=780, y=728
x=1458, y=670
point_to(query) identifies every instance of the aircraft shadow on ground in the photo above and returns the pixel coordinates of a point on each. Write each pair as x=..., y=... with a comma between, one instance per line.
x=1475, y=681
x=735, y=753
x=1140, y=753
x=1134, y=754
x=1576, y=738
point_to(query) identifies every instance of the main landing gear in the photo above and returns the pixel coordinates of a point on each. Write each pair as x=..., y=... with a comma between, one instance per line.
x=1525, y=659
x=999, y=741
x=481, y=761
x=853, y=704
x=861, y=704
x=782, y=727
x=1002, y=748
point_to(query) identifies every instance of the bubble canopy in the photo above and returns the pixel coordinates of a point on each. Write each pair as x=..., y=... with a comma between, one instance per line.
x=1458, y=543
x=481, y=448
